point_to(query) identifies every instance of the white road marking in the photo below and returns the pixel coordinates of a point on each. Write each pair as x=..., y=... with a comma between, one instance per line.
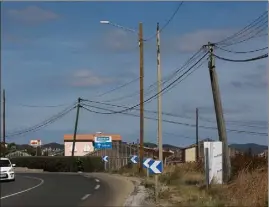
x=96, y=187
x=97, y=180
x=85, y=197
x=26, y=190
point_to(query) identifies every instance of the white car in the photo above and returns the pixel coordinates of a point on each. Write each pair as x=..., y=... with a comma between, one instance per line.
x=6, y=170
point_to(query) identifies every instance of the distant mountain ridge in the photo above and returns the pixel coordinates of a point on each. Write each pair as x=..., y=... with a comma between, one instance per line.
x=52, y=145
x=255, y=148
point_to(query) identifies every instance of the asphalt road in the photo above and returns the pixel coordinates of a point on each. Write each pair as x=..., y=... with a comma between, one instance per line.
x=47, y=189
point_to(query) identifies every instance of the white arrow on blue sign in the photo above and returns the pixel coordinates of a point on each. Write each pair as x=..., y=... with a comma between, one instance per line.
x=105, y=158
x=156, y=167
x=147, y=162
x=134, y=159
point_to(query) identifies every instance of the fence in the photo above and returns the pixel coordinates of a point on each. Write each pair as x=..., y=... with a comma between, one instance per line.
x=120, y=154
x=17, y=154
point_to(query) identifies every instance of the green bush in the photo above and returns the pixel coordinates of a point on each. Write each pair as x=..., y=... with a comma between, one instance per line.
x=61, y=164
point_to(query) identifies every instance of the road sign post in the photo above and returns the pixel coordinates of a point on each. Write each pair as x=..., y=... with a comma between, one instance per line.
x=156, y=167
x=105, y=159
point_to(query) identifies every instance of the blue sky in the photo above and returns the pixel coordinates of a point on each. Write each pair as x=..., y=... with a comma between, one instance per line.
x=55, y=52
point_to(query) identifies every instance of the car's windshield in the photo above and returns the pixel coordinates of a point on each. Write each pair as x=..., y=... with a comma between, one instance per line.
x=5, y=163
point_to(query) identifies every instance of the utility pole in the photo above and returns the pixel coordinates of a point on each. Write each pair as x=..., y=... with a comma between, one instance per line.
x=4, y=123
x=219, y=114
x=159, y=74
x=76, y=127
x=141, y=49
x=159, y=136
x=197, y=135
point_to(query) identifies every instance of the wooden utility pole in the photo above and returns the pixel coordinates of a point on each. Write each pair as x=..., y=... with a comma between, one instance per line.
x=76, y=127
x=159, y=136
x=219, y=115
x=141, y=47
x=4, y=123
x=197, y=135
x=159, y=74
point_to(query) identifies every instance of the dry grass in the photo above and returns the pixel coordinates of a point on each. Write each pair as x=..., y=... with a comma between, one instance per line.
x=184, y=186
x=249, y=188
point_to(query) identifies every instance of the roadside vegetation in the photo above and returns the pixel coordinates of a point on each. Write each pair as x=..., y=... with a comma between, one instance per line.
x=184, y=184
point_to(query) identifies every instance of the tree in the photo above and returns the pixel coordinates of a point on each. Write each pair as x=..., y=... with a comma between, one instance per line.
x=250, y=152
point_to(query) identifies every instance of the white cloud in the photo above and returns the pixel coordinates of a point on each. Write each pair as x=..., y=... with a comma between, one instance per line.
x=84, y=78
x=32, y=14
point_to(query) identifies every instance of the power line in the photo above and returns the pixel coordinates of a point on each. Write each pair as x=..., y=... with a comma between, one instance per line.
x=246, y=28
x=153, y=86
x=42, y=124
x=241, y=52
x=41, y=106
x=119, y=87
x=245, y=60
x=163, y=90
x=168, y=22
x=175, y=122
x=176, y=115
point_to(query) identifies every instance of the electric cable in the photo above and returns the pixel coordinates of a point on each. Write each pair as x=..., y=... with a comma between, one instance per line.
x=40, y=106
x=163, y=89
x=167, y=23
x=118, y=87
x=246, y=28
x=42, y=124
x=179, y=123
x=245, y=60
x=153, y=86
x=241, y=52
x=175, y=115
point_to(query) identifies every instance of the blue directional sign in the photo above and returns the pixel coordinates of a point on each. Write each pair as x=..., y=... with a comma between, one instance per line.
x=103, y=142
x=147, y=162
x=105, y=145
x=105, y=158
x=134, y=159
x=156, y=167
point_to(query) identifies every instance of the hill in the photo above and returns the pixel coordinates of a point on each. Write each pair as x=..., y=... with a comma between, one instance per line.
x=52, y=145
x=255, y=148
x=165, y=146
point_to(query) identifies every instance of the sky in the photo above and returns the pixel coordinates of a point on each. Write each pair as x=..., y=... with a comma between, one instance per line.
x=54, y=52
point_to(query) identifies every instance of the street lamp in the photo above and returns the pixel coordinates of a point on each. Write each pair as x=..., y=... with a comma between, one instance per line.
x=118, y=26
x=104, y=22
x=141, y=67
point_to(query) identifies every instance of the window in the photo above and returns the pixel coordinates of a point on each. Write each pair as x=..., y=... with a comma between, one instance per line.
x=71, y=148
x=86, y=148
x=5, y=163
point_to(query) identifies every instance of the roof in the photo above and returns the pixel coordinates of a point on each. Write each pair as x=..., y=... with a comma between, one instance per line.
x=90, y=137
x=200, y=142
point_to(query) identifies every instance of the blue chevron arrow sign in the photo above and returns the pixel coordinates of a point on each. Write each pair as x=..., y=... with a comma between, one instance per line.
x=134, y=159
x=105, y=158
x=156, y=167
x=147, y=162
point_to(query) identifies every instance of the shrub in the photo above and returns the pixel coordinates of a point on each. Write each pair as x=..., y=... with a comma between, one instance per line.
x=60, y=164
x=247, y=163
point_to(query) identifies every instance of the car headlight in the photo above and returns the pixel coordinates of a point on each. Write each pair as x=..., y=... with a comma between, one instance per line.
x=11, y=170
